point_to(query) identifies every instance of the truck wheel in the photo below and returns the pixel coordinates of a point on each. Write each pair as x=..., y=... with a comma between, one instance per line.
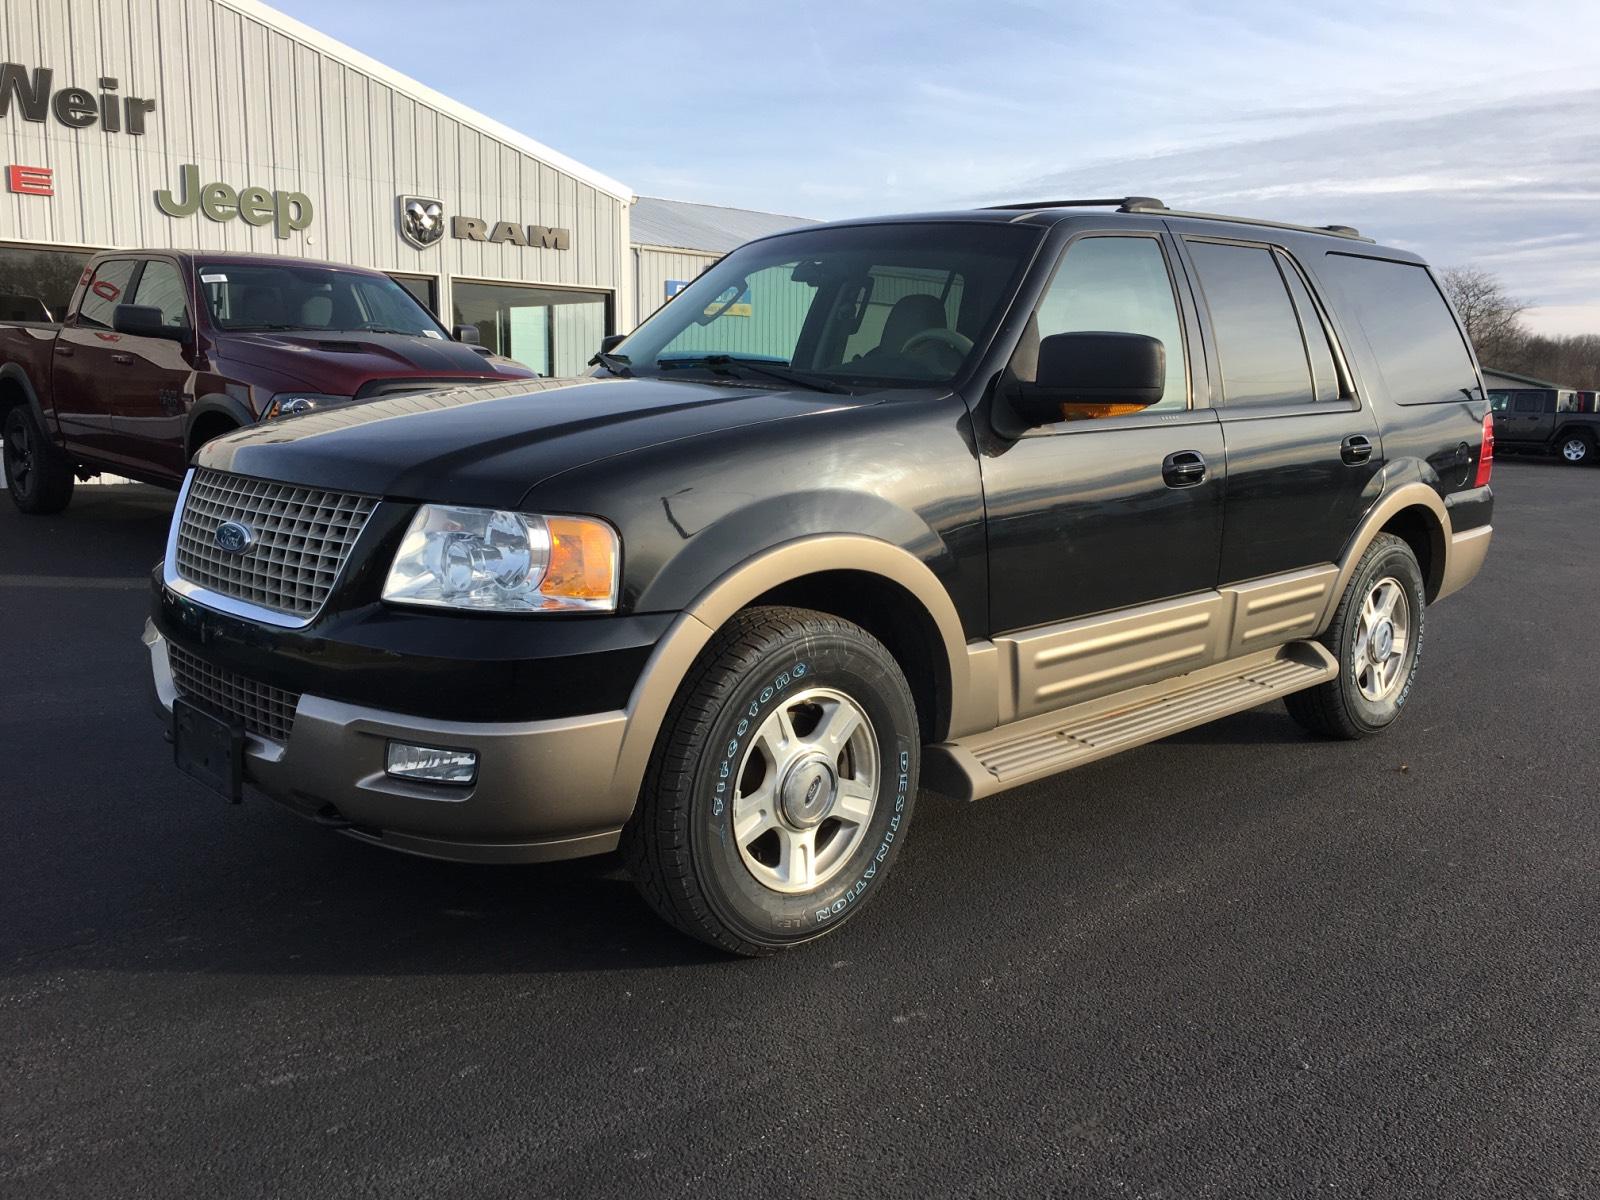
x=38, y=475
x=1576, y=449
x=781, y=785
x=1377, y=637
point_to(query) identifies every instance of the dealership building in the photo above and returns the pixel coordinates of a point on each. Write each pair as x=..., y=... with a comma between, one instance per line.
x=226, y=125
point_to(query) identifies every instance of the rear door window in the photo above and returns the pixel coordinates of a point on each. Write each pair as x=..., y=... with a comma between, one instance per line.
x=108, y=289
x=1530, y=402
x=1420, y=351
x=1259, y=340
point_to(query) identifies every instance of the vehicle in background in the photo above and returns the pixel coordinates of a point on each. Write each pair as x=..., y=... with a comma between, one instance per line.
x=161, y=351
x=1557, y=421
x=958, y=500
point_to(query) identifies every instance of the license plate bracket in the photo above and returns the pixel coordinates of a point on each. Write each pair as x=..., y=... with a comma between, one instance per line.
x=208, y=749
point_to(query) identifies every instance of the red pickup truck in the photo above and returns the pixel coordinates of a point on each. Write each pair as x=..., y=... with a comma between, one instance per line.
x=163, y=350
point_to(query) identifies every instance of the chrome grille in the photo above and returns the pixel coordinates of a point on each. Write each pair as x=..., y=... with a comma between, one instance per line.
x=265, y=710
x=302, y=537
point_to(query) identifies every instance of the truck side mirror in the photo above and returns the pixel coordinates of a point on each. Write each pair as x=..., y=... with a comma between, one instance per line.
x=466, y=334
x=611, y=341
x=1095, y=370
x=145, y=320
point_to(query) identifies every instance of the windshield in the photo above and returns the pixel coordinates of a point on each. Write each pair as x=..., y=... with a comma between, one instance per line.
x=902, y=305
x=319, y=299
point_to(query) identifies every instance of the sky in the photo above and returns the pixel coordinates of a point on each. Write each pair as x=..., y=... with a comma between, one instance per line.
x=1467, y=131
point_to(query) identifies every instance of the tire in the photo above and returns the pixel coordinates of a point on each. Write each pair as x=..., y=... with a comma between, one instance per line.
x=1368, y=696
x=839, y=811
x=38, y=476
x=1576, y=449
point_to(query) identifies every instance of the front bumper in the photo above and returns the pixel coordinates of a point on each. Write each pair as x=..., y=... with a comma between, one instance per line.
x=545, y=789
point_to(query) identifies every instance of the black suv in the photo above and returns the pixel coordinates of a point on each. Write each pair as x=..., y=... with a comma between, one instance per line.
x=956, y=500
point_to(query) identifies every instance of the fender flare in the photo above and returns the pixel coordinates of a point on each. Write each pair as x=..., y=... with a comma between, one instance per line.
x=12, y=373
x=675, y=653
x=233, y=409
x=1407, y=495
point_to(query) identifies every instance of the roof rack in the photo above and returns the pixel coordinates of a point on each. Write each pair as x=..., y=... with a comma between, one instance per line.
x=1151, y=206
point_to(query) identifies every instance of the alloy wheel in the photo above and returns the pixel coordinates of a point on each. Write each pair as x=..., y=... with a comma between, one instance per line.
x=19, y=456
x=1575, y=450
x=807, y=789
x=1383, y=634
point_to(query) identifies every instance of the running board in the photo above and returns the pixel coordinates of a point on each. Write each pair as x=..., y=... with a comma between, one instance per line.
x=982, y=764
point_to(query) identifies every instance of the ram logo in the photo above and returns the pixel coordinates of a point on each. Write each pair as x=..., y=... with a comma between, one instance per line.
x=421, y=221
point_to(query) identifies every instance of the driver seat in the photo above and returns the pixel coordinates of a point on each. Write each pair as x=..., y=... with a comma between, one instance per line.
x=910, y=316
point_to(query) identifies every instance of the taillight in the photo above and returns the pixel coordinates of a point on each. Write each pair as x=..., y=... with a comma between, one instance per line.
x=1486, y=452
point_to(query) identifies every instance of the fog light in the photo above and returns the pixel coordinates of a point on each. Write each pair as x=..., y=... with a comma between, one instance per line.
x=432, y=764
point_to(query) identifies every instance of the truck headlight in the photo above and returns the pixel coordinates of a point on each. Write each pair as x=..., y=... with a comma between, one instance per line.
x=489, y=560
x=293, y=404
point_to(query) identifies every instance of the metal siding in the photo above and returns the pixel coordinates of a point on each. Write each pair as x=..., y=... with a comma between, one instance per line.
x=655, y=267
x=254, y=105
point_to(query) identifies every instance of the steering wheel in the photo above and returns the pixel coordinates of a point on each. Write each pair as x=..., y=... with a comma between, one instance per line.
x=946, y=340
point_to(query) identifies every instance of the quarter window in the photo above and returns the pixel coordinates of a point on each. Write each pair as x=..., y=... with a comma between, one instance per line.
x=1259, y=338
x=1118, y=285
x=107, y=290
x=161, y=286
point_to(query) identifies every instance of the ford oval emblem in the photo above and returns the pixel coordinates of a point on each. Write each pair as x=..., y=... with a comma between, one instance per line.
x=232, y=537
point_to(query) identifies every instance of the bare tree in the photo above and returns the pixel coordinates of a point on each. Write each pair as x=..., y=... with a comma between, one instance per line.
x=1493, y=318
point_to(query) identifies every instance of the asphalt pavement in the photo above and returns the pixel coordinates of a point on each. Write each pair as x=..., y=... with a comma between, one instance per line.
x=1240, y=962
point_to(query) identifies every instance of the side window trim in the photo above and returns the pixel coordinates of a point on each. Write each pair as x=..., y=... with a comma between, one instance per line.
x=1341, y=365
x=1197, y=406
x=1348, y=402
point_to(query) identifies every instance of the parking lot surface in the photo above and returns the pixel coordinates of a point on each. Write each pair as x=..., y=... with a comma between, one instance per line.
x=1238, y=962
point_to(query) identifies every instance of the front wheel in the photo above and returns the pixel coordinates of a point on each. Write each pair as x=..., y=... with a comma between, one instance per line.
x=1376, y=635
x=781, y=785
x=1576, y=449
x=38, y=476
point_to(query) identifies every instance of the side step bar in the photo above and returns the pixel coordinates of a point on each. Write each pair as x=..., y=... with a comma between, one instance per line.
x=983, y=764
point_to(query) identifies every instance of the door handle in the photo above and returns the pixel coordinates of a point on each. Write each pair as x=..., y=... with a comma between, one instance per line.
x=1184, y=469
x=1355, y=449
x=64, y=351
x=125, y=359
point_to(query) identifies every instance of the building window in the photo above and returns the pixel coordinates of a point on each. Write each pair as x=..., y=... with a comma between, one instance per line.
x=555, y=332
x=425, y=288
x=36, y=285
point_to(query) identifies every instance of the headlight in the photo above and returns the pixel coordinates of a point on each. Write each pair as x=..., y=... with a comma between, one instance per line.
x=293, y=404
x=489, y=560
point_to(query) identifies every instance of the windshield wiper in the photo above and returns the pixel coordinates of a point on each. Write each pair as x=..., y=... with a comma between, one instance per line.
x=617, y=364
x=771, y=371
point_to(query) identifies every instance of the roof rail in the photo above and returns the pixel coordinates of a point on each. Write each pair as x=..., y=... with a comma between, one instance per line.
x=1149, y=205
x=1121, y=203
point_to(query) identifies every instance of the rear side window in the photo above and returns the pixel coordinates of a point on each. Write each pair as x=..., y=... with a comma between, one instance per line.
x=108, y=289
x=1530, y=402
x=1258, y=333
x=1420, y=351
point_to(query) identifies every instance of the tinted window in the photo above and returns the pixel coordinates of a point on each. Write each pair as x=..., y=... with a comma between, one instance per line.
x=1119, y=285
x=1420, y=352
x=108, y=289
x=1258, y=335
x=36, y=285
x=160, y=286
x=1319, y=343
x=1499, y=401
x=1530, y=402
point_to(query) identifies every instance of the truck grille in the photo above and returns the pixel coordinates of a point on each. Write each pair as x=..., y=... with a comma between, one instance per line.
x=301, y=537
x=265, y=710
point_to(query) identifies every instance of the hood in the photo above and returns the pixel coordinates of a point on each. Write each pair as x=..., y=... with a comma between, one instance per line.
x=490, y=443
x=338, y=364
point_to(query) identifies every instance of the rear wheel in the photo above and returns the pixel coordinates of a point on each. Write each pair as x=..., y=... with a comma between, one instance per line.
x=781, y=786
x=1577, y=449
x=38, y=475
x=1376, y=635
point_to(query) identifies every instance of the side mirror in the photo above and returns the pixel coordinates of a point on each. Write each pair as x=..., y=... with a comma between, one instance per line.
x=1095, y=370
x=467, y=334
x=144, y=320
x=611, y=341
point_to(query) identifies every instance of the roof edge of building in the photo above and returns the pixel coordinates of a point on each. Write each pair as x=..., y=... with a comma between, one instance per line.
x=421, y=92
x=1527, y=379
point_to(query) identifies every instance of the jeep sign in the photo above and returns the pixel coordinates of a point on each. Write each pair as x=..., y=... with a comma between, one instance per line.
x=286, y=212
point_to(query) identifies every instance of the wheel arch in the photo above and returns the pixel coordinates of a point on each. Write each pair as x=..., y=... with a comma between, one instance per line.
x=212, y=412
x=886, y=589
x=17, y=389
x=1413, y=512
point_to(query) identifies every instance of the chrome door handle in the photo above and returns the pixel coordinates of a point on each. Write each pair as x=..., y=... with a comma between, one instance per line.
x=1355, y=449
x=124, y=359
